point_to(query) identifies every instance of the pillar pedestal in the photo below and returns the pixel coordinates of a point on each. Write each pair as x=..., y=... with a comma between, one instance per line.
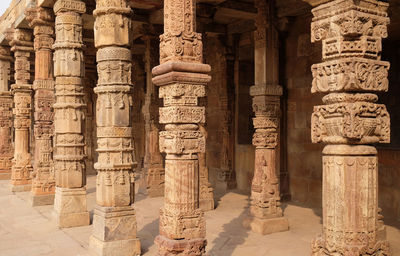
x=114, y=232
x=70, y=207
x=171, y=247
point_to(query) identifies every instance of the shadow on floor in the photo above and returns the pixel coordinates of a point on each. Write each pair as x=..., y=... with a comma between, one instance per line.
x=234, y=235
x=146, y=235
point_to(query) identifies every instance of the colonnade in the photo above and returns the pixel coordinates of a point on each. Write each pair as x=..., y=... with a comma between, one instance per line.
x=349, y=121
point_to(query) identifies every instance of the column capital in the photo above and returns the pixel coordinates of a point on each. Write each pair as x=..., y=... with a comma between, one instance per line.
x=20, y=39
x=69, y=6
x=5, y=54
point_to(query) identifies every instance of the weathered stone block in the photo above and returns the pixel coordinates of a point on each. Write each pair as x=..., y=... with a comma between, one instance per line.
x=266, y=226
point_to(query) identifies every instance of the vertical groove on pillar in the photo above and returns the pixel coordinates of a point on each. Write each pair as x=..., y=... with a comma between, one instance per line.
x=70, y=200
x=6, y=125
x=182, y=79
x=114, y=221
x=266, y=214
x=350, y=121
x=43, y=182
x=22, y=46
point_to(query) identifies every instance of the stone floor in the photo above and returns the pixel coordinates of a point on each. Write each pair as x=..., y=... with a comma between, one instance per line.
x=28, y=231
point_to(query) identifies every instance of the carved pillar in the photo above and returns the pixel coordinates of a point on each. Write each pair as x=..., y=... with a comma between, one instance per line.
x=182, y=78
x=70, y=200
x=350, y=121
x=153, y=161
x=43, y=182
x=21, y=44
x=114, y=218
x=6, y=115
x=206, y=196
x=266, y=214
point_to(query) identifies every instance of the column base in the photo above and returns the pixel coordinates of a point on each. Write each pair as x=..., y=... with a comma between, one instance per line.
x=130, y=247
x=206, y=204
x=319, y=247
x=170, y=247
x=266, y=226
x=70, y=207
x=114, y=232
x=38, y=200
x=21, y=188
x=5, y=175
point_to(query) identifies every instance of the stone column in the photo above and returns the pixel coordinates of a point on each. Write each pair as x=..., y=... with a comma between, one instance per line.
x=6, y=115
x=266, y=214
x=350, y=121
x=206, y=196
x=70, y=199
x=153, y=161
x=182, y=78
x=43, y=182
x=114, y=221
x=21, y=44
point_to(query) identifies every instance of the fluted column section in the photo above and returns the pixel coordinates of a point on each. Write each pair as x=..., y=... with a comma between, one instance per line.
x=153, y=160
x=70, y=200
x=21, y=44
x=114, y=221
x=266, y=214
x=182, y=79
x=350, y=121
x=43, y=181
x=6, y=115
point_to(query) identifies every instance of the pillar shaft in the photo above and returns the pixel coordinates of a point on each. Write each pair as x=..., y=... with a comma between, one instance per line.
x=266, y=214
x=43, y=182
x=182, y=79
x=115, y=178
x=70, y=200
x=153, y=160
x=22, y=46
x=6, y=116
x=350, y=121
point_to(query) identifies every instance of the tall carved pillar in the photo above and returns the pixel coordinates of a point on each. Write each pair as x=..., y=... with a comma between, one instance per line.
x=350, y=121
x=6, y=115
x=266, y=214
x=114, y=221
x=21, y=44
x=206, y=196
x=153, y=161
x=43, y=182
x=70, y=199
x=182, y=78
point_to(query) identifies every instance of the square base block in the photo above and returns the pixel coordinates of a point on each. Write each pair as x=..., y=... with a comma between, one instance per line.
x=170, y=247
x=21, y=188
x=38, y=200
x=130, y=247
x=266, y=226
x=70, y=207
